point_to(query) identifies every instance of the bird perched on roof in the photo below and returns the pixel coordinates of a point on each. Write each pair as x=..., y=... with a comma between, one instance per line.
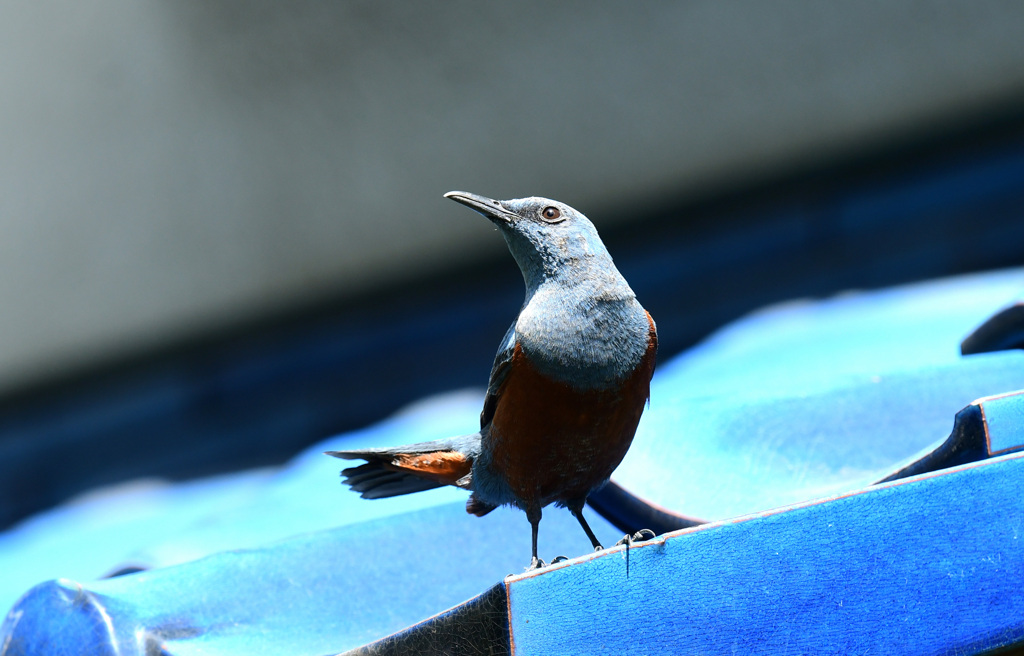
x=568, y=385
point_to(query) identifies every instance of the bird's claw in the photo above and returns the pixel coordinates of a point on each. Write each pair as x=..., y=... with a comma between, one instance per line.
x=537, y=563
x=643, y=535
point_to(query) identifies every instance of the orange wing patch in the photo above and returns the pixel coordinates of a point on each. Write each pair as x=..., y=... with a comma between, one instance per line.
x=445, y=467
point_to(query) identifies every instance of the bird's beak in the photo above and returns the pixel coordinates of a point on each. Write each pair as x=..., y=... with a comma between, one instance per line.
x=489, y=207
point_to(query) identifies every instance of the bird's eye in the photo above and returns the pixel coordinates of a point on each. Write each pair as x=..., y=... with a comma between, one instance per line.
x=551, y=214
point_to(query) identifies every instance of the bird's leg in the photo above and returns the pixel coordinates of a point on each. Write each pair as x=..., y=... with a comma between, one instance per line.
x=533, y=514
x=577, y=511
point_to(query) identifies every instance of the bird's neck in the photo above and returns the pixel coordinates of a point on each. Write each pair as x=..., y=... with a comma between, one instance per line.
x=589, y=332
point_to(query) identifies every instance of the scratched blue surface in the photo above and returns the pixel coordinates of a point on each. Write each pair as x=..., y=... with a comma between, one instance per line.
x=792, y=403
x=931, y=566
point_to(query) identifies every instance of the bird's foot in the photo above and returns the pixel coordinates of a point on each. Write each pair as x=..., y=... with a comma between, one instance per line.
x=536, y=563
x=643, y=535
x=559, y=559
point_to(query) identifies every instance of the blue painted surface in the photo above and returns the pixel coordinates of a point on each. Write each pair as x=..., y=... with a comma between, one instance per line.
x=923, y=566
x=810, y=399
x=795, y=402
x=314, y=594
x=155, y=524
x=1004, y=422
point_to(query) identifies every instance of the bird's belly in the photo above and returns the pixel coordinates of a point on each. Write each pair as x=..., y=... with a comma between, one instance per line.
x=549, y=442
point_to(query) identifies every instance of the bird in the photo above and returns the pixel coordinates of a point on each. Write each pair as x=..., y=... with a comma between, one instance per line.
x=568, y=386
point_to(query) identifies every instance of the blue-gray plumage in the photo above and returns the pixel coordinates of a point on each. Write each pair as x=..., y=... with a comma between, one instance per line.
x=568, y=384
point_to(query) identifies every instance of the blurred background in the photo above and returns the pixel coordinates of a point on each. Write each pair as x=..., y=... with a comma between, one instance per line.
x=224, y=238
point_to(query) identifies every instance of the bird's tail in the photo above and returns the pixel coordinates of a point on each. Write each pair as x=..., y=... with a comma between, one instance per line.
x=393, y=471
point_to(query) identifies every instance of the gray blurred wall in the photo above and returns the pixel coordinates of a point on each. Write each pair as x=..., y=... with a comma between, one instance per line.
x=168, y=168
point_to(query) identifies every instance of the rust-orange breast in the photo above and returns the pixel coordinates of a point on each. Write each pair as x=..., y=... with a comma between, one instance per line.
x=553, y=443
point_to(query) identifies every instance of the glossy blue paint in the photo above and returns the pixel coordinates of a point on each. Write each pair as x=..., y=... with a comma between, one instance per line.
x=314, y=594
x=793, y=403
x=933, y=564
x=970, y=440
x=153, y=524
x=810, y=399
x=1004, y=422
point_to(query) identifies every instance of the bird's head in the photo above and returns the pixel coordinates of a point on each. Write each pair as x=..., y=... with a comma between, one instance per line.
x=548, y=239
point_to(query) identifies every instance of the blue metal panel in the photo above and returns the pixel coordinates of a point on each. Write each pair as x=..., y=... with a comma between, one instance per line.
x=1004, y=422
x=793, y=403
x=153, y=524
x=810, y=399
x=928, y=565
x=315, y=594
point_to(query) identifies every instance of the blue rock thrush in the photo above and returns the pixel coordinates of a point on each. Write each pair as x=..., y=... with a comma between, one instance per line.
x=567, y=388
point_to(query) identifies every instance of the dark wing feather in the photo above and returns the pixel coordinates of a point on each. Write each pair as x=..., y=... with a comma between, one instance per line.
x=383, y=474
x=499, y=371
x=372, y=481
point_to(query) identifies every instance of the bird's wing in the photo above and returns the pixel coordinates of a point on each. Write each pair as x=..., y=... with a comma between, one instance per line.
x=375, y=480
x=410, y=468
x=499, y=371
